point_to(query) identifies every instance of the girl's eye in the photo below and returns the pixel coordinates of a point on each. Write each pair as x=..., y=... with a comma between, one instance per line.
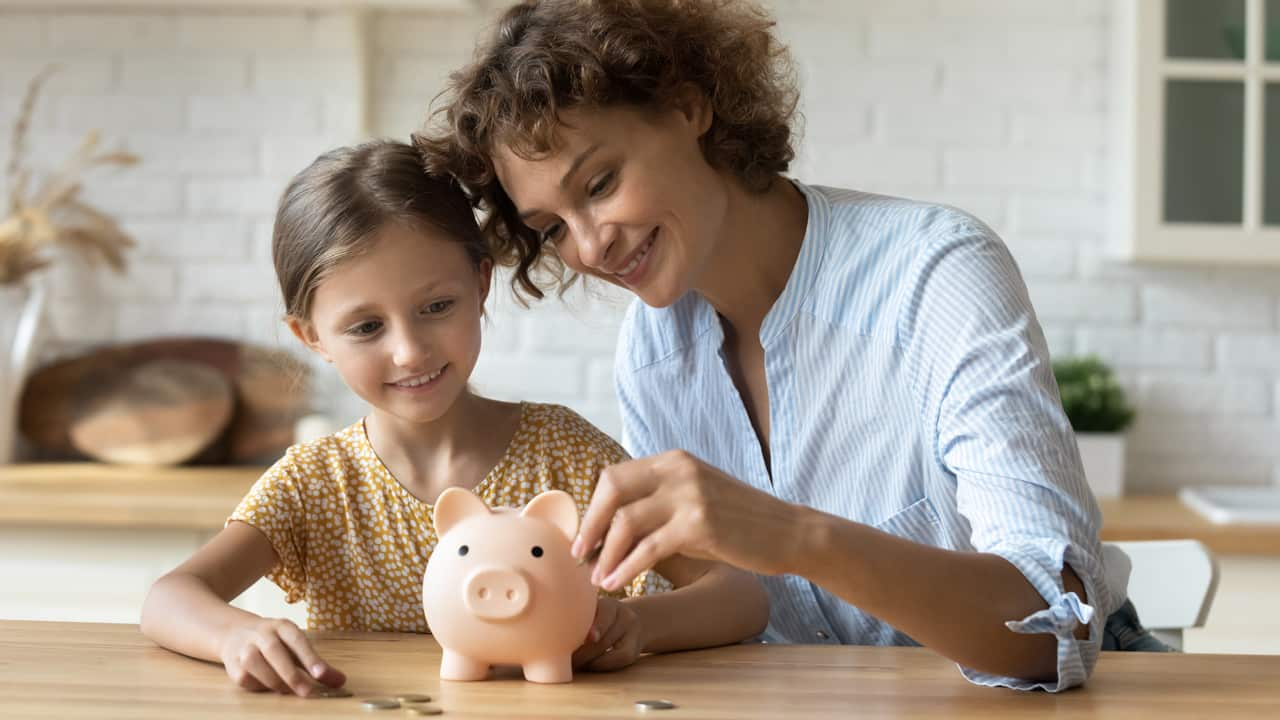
x=365, y=328
x=439, y=306
x=600, y=185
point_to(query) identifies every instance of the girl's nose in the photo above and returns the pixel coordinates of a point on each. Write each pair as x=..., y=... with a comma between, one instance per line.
x=410, y=351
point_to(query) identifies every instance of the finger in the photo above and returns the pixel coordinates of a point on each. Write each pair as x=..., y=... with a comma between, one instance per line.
x=649, y=551
x=631, y=524
x=603, y=637
x=625, y=652
x=606, y=614
x=242, y=677
x=257, y=666
x=614, y=634
x=618, y=485
x=308, y=658
x=285, y=665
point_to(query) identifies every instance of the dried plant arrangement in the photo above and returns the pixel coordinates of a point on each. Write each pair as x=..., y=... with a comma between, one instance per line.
x=52, y=214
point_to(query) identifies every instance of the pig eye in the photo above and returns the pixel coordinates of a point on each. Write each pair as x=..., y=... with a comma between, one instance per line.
x=537, y=551
x=464, y=550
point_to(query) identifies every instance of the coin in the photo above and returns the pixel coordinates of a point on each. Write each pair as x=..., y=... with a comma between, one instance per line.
x=413, y=698
x=330, y=692
x=380, y=704
x=655, y=705
x=421, y=710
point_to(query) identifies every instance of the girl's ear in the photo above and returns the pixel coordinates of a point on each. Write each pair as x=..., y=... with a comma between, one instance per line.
x=305, y=331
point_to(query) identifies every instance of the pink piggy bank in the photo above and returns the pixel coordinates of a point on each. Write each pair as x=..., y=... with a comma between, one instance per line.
x=502, y=588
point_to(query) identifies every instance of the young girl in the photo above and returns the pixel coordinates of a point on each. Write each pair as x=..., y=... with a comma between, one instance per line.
x=384, y=274
x=845, y=392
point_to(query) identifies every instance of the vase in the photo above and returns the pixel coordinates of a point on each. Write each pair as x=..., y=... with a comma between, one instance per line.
x=1103, y=457
x=22, y=308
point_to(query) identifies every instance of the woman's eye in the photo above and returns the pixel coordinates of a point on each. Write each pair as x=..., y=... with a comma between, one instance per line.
x=600, y=185
x=549, y=234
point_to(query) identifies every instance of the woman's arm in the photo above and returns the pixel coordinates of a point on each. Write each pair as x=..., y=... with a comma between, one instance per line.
x=955, y=602
x=187, y=611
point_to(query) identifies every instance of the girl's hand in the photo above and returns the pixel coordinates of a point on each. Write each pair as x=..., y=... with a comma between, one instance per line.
x=276, y=655
x=615, y=639
x=652, y=508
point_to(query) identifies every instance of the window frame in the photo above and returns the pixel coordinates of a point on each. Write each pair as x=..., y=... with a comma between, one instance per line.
x=1142, y=69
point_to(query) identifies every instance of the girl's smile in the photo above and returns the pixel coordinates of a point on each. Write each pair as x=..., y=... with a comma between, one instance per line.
x=420, y=384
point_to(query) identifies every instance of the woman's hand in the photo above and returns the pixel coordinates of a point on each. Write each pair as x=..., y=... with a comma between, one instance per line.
x=615, y=640
x=276, y=655
x=649, y=509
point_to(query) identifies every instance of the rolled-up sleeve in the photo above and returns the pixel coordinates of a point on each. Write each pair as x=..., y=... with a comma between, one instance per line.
x=984, y=382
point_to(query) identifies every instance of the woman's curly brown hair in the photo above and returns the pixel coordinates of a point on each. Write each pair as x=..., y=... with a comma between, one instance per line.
x=547, y=56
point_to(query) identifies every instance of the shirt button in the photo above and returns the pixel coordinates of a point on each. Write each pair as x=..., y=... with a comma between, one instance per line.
x=822, y=634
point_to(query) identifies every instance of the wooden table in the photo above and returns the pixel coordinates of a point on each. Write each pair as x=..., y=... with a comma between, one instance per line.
x=65, y=670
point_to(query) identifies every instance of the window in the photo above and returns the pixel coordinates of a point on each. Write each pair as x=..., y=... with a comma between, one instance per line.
x=1197, y=97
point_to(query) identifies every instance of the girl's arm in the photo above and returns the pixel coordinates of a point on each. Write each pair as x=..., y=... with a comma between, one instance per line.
x=188, y=611
x=712, y=604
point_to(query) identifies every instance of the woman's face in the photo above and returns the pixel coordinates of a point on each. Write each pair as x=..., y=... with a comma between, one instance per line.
x=626, y=196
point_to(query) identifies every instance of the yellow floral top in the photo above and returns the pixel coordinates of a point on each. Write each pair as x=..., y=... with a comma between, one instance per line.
x=354, y=543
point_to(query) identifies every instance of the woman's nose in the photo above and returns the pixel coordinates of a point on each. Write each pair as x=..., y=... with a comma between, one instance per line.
x=595, y=242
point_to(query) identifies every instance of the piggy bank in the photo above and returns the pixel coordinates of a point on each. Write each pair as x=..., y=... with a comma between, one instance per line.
x=502, y=588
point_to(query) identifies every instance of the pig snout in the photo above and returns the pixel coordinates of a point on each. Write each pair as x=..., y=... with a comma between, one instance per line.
x=494, y=593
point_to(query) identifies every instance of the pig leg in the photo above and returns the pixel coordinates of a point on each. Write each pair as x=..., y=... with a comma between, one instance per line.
x=454, y=666
x=550, y=670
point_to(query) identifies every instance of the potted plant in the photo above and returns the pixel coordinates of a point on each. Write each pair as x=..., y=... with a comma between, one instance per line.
x=38, y=218
x=1099, y=413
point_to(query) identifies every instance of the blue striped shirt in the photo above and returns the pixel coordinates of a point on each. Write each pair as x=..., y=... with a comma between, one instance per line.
x=909, y=389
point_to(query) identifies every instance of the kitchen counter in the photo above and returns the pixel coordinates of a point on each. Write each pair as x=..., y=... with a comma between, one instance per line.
x=200, y=498
x=1166, y=518
x=92, y=495
x=88, y=670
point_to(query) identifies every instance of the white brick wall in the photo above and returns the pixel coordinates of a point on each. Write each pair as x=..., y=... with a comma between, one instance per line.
x=995, y=106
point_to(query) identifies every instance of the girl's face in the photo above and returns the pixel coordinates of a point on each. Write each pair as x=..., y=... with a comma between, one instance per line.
x=402, y=322
x=626, y=196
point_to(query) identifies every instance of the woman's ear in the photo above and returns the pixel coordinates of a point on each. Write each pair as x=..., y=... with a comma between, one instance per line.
x=695, y=107
x=305, y=331
x=485, y=274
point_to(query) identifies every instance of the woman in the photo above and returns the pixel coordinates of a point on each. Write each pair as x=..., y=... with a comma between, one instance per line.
x=846, y=393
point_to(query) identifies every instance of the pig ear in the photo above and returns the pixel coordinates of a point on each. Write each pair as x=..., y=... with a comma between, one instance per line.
x=454, y=505
x=556, y=507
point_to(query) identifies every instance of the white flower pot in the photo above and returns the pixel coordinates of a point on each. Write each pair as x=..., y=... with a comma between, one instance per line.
x=21, y=320
x=1103, y=457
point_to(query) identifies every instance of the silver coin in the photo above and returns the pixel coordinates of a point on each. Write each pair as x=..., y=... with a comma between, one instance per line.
x=421, y=710
x=413, y=698
x=655, y=705
x=380, y=704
